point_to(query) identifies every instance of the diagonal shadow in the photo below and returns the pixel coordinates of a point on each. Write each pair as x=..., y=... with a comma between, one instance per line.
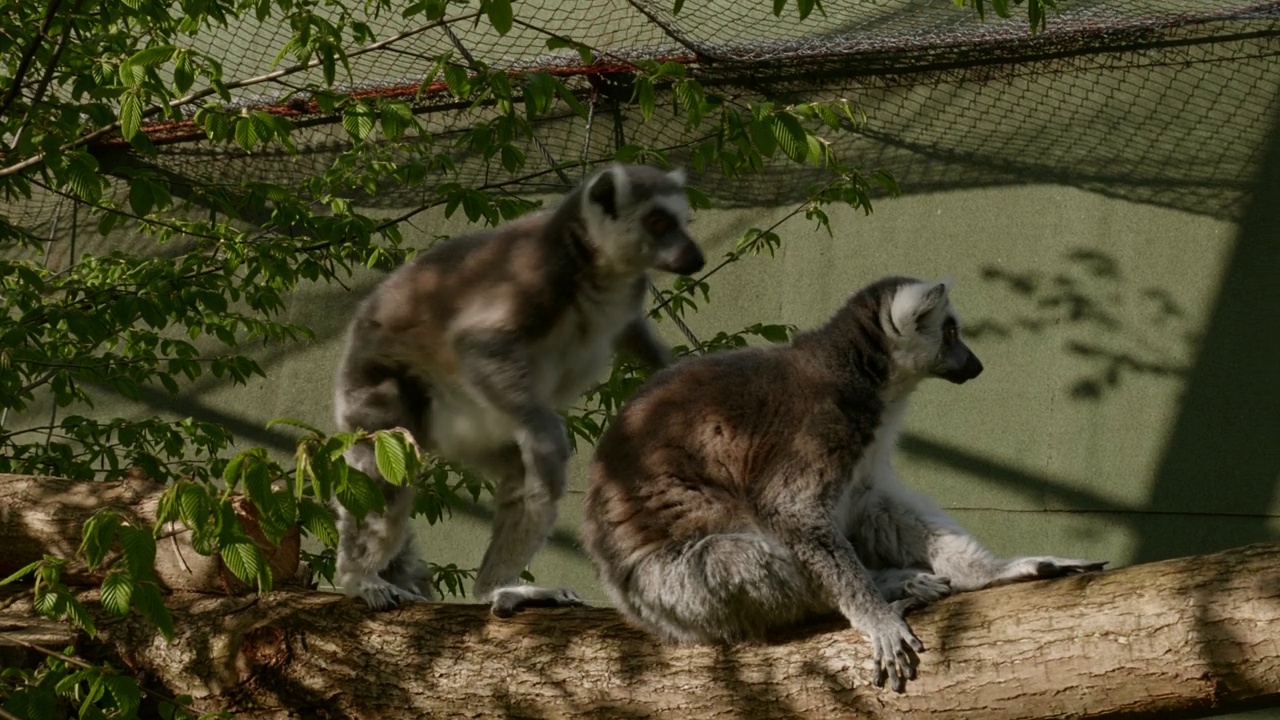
x=1224, y=450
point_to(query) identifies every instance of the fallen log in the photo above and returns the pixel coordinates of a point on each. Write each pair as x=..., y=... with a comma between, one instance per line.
x=1187, y=637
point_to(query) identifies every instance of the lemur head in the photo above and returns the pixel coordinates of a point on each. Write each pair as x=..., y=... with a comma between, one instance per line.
x=923, y=334
x=637, y=218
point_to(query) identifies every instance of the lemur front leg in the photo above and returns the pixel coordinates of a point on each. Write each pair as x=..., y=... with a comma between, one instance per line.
x=531, y=473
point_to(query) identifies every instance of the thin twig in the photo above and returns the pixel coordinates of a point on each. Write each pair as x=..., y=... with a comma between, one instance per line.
x=32, y=386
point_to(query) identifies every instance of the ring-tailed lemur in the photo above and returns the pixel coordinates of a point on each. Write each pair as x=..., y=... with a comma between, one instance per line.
x=475, y=345
x=748, y=490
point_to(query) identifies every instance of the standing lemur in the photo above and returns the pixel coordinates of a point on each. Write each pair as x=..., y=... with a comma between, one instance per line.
x=475, y=345
x=747, y=490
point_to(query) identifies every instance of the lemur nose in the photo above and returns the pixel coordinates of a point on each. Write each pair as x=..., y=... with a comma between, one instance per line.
x=683, y=258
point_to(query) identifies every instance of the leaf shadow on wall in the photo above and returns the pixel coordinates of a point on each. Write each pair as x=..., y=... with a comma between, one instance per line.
x=1115, y=330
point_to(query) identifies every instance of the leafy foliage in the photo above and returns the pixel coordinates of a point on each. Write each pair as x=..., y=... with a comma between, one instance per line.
x=85, y=75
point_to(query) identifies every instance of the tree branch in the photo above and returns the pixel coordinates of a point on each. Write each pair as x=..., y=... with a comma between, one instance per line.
x=1185, y=637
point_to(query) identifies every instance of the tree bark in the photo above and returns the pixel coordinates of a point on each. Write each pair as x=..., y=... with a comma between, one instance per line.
x=44, y=516
x=1180, y=638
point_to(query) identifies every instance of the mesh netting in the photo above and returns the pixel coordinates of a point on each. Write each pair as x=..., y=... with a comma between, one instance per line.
x=1158, y=101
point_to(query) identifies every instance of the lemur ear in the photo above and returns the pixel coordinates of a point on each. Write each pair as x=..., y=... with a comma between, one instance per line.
x=934, y=298
x=677, y=176
x=916, y=302
x=609, y=189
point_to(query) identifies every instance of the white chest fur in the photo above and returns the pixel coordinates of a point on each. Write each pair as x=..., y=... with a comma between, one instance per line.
x=580, y=347
x=874, y=469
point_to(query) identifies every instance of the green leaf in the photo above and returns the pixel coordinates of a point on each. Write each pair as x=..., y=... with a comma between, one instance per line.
x=167, y=506
x=246, y=133
x=791, y=137
x=98, y=534
x=569, y=98
x=294, y=423
x=184, y=75
x=585, y=53
x=359, y=493
x=138, y=550
x=131, y=75
x=78, y=614
x=358, y=120
x=500, y=15
x=149, y=603
x=130, y=113
x=396, y=118
x=83, y=178
x=153, y=56
x=644, y=97
x=117, y=592
x=257, y=485
x=25, y=569
x=512, y=158
x=773, y=333
x=762, y=135
x=390, y=454
x=126, y=693
x=231, y=473
x=886, y=181
x=457, y=80
x=140, y=197
x=49, y=603
x=244, y=558
x=318, y=520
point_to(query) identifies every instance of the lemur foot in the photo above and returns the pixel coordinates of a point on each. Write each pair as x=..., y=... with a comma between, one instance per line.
x=382, y=595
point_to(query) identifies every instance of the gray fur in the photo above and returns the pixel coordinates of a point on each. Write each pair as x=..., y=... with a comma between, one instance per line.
x=475, y=345
x=745, y=491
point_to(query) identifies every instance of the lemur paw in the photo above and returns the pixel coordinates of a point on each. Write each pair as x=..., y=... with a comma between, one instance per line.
x=898, y=583
x=927, y=587
x=506, y=601
x=895, y=649
x=382, y=595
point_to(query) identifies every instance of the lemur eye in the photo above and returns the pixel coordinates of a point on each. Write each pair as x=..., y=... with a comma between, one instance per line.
x=658, y=222
x=949, y=334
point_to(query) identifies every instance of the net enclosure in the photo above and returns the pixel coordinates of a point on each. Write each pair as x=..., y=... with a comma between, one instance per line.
x=1158, y=101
